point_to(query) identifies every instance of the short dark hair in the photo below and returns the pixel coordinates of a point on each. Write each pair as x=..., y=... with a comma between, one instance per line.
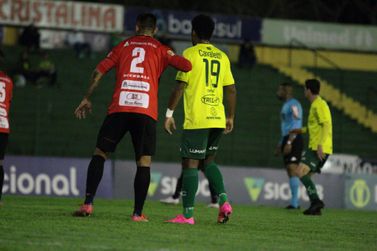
x=286, y=84
x=203, y=26
x=146, y=21
x=313, y=85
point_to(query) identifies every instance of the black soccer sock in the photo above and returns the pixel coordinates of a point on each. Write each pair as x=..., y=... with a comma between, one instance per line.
x=1, y=180
x=178, y=188
x=141, y=186
x=93, y=178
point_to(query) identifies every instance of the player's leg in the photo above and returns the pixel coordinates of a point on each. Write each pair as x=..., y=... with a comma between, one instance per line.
x=214, y=198
x=3, y=145
x=193, y=149
x=291, y=162
x=294, y=184
x=143, y=133
x=214, y=175
x=309, y=165
x=111, y=132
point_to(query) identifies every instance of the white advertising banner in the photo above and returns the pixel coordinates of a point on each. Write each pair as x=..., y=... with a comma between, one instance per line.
x=319, y=35
x=63, y=15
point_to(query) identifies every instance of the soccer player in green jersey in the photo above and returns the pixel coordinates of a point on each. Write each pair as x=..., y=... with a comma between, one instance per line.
x=205, y=121
x=320, y=143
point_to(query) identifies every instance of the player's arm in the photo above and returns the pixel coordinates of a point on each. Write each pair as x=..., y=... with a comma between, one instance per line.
x=325, y=131
x=230, y=94
x=85, y=104
x=178, y=62
x=174, y=99
x=102, y=68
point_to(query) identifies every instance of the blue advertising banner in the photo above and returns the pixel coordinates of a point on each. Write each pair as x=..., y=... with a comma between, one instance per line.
x=58, y=177
x=178, y=24
x=244, y=185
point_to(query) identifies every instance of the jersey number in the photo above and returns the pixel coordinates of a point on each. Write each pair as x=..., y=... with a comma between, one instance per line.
x=2, y=91
x=212, y=71
x=139, y=55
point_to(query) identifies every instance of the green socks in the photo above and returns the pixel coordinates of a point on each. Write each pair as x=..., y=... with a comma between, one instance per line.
x=310, y=187
x=215, y=178
x=189, y=188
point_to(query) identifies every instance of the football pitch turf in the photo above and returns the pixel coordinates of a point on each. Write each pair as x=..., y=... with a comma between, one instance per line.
x=42, y=223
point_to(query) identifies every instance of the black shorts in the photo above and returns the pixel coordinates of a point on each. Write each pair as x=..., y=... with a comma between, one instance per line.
x=141, y=127
x=3, y=144
x=297, y=147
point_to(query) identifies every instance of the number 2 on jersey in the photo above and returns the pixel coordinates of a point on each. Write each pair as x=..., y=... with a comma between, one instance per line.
x=212, y=70
x=139, y=55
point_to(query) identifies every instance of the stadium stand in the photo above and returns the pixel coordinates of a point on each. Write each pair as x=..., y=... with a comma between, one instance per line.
x=43, y=123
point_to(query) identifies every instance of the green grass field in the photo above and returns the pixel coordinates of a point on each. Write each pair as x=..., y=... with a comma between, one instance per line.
x=41, y=223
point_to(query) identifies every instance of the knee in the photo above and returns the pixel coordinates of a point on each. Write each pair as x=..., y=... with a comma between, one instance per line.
x=144, y=161
x=101, y=153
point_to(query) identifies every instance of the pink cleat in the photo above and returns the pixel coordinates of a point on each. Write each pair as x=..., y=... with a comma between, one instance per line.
x=84, y=210
x=180, y=219
x=224, y=212
x=141, y=218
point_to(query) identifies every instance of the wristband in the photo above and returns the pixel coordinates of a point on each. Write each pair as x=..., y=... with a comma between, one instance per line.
x=169, y=113
x=289, y=142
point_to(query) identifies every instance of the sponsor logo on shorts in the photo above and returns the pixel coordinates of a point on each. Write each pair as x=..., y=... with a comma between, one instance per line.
x=197, y=150
x=213, y=148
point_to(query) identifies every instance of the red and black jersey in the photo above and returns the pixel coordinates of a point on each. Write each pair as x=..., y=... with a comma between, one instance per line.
x=6, y=90
x=139, y=62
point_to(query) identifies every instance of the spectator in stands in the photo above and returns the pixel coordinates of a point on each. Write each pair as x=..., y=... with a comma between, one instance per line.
x=77, y=41
x=23, y=72
x=30, y=37
x=46, y=70
x=247, y=57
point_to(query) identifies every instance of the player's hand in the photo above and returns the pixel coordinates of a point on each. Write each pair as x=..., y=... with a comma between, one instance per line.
x=169, y=125
x=287, y=149
x=296, y=131
x=229, y=125
x=320, y=154
x=84, y=107
x=277, y=150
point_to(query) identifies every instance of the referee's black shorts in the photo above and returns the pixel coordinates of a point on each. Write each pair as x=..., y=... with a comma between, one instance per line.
x=141, y=127
x=294, y=157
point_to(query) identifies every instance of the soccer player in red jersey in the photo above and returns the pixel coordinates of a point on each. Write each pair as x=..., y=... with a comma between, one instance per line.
x=139, y=62
x=6, y=89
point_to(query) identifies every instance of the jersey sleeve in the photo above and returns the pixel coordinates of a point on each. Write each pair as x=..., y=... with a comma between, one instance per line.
x=178, y=62
x=184, y=76
x=228, y=76
x=111, y=59
x=323, y=113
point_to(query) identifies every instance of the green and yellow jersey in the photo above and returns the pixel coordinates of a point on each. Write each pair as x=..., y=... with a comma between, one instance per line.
x=203, y=95
x=320, y=126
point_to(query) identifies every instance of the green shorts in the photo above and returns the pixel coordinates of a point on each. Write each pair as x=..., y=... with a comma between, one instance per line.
x=310, y=158
x=199, y=143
